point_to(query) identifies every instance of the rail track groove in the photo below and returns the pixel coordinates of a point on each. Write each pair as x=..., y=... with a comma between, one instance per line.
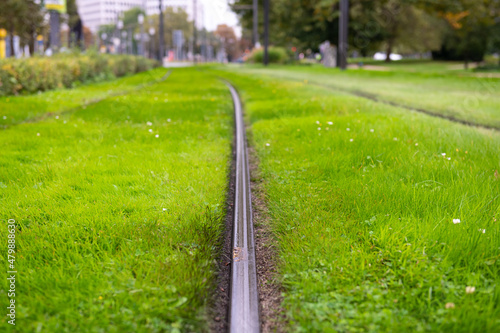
x=89, y=103
x=244, y=295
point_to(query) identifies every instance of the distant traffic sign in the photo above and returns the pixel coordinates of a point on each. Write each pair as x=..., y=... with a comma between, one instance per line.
x=57, y=5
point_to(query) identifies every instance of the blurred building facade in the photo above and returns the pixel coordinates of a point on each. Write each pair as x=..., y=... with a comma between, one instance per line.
x=95, y=13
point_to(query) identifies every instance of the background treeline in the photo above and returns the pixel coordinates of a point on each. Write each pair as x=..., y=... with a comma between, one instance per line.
x=451, y=29
x=25, y=18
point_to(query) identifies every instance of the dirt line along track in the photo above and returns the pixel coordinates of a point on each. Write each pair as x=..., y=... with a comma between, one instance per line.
x=244, y=296
x=91, y=102
x=378, y=99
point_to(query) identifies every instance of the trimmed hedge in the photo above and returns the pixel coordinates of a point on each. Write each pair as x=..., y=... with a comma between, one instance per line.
x=30, y=75
x=277, y=55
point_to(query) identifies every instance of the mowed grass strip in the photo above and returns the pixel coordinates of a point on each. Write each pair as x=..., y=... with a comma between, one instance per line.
x=119, y=209
x=466, y=98
x=14, y=110
x=362, y=199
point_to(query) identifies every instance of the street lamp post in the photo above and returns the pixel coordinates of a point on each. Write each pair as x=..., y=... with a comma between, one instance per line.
x=104, y=37
x=343, y=33
x=119, y=26
x=266, y=32
x=255, y=23
x=140, y=19
x=161, y=33
x=152, y=44
x=124, y=41
x=194, y=32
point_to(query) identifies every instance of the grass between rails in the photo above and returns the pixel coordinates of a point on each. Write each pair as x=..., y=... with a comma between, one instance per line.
x=470, y=99
x=118, y=229
x=417, y=65
x=14, y=110
x=362, y=209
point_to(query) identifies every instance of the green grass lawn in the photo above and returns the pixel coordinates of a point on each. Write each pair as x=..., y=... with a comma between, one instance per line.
x=467, y=98
x=119, y=204
x=362, y=199
x=14, y=110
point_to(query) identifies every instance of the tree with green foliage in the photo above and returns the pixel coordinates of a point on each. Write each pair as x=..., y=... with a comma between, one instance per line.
x=75, y=33
x=21, y=18
x=494, y=42
x=395, y=25
x=299, y=23
x=131, y=16
x=470, y=29
x=175, y=19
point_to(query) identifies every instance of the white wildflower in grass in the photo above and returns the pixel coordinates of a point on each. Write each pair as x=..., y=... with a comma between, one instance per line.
x=443, y=154
x=4, y=117
x=395, y=139
x=450, y=305
x=157, y=136
x=317, y=122
x=449, y=158
x=330, y=123
x=64, y=122
x=319, y=128
x=470, y=290
x=149, y=123
x=348, y=129
x=456, y=221
x=37, y=134
x=351, y=140
x=482, y=230
x=268, y=144
x=416, y=144
x=150, y=130
x=372, y=130
x=57, y=117
x=164, y=209
x=169, y=120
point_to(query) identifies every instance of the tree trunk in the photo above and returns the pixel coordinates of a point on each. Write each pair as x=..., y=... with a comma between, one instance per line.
x=388, y=52
x=11, y=35
x=32, y=41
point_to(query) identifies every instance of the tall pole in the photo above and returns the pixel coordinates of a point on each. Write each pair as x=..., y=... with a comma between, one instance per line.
x=266, y=32
x=194, y=32
x=343, y=33
x=255, y=22
x=55, y=31
x=161, y=34
x=140, y=20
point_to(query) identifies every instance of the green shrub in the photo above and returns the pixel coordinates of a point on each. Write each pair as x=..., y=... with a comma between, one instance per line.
x=277, y=55
x=24, y=76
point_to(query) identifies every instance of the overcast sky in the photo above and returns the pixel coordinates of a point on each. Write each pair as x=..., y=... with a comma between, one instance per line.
x=218, y=12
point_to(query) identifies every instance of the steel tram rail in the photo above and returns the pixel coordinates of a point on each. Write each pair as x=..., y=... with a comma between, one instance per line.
x=244, y=295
